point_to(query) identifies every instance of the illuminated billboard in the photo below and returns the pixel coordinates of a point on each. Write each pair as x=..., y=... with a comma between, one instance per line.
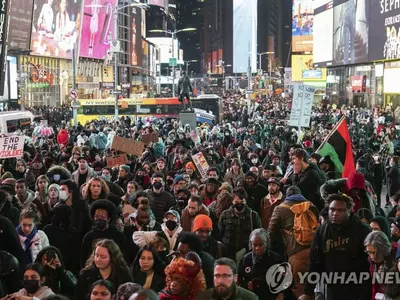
x=97, y=28
x=302, y=25
x=323, y=32
x=56, y=27
x=303, y=70
x=244, y=35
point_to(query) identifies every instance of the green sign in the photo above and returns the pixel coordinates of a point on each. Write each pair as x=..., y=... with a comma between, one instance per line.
x=173, y=62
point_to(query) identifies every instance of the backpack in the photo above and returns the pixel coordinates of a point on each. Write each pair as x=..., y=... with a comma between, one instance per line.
x=305, y=223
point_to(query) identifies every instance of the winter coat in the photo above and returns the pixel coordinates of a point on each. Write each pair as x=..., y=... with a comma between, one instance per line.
x=90, y=275
x=157, y=284
x=102, y=140
x=95, y=235
x=160, y=203
x=63, y=172
x=215, y=248
x=42, y=293
x=235, y=228
x=343, y=185
x=39, y=241
x=90, y=174
x=282, y=222
x=187, y=220
x=233, y=179
x=309, y=182
x=266, y=208
x=10, y=212
x=341, y=249
x=254, y=196
x=239, y=294
x=394, y=180
x=255, y=273
x=29, y=199
x=10, y=274
x=63, y=137
x=171, y=239
x=61, y=280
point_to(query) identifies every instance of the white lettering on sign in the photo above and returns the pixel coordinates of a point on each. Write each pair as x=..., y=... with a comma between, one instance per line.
x=356, y=82
x=12, y=146
x=389, y=5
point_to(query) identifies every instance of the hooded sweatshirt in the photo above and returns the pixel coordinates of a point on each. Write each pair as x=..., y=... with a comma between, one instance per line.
x=42, y=293
x=356, y=180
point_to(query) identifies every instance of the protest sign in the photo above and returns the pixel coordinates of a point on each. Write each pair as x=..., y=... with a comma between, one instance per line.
x=127, y=145
x=116, y=160
x=303, y=96
x=12, y=146
x=150, y=138
x=201, y=164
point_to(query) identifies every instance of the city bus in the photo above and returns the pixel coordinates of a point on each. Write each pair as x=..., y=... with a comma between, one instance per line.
x=208, y=108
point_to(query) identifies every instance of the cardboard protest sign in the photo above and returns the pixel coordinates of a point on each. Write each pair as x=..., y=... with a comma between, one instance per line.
x=201, y=164
x=116, y=160
x=12, y=146
x=127, y=145
x=151, y=137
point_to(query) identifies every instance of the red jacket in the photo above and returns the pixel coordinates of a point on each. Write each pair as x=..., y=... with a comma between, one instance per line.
x=63, y=137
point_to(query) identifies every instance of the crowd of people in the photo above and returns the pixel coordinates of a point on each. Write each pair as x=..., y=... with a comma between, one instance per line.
x=73, y=227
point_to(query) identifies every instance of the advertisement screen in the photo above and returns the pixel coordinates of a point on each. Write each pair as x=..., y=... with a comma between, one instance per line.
x=19, y=33
x=385, y=30
x=350, y=31
x=303, y=69
x=56, y=27
x=97, y=28
x=214, y=62
x=4, y=6
x=323, y=28
x=160, y=3
x=244, y=35
x=302, y=25
x=391, y=78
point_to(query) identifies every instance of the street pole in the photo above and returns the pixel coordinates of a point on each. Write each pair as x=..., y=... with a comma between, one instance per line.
x=74, y=112
x=173, y=65
x=187, y=68
x=116, y=61
x=259, y=61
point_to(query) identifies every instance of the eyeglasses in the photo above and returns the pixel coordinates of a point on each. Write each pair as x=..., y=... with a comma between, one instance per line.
x=222, y=276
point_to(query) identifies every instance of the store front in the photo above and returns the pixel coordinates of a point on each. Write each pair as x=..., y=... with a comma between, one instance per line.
x=42, y=81
x=356, y=85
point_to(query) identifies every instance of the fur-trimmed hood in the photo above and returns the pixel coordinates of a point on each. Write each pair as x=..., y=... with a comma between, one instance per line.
x=64, y=173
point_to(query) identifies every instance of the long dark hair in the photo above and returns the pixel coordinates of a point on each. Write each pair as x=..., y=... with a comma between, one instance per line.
x=9, y=240
x=158, y=266
x=117, y=261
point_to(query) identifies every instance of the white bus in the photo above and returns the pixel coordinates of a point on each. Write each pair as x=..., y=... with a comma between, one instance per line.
x=11, y=121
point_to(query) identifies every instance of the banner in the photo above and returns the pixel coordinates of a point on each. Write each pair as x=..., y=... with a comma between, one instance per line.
x=97, y=28
x=160, y=3
x=116, y=160
x=56, y=27
x=127, y=146
x=201, y=164
x=303, y=96
x=3, y=42
x=303, y=69
x=384, y=33
x=302, y=25
x=12, y=146
x=19, y=34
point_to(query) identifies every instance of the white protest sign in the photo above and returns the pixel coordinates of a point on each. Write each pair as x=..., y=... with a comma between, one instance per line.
x=12, y=146
x=303, y=96
x=201, y=164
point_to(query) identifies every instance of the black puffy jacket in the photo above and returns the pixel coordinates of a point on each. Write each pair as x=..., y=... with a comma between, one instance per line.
x=10, y=274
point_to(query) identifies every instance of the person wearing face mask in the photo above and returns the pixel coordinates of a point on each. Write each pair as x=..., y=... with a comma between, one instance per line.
x=103, y=214
x=64, y=237
x=255, y=191
x=84, y=172
x=53, y=199
x=58, y=173
x=33, y=283
x=236, y=223
x=69, y=194
x=160, y=200
x=170, y=229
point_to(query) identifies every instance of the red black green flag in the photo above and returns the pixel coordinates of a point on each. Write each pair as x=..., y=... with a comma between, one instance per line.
x=338, y=146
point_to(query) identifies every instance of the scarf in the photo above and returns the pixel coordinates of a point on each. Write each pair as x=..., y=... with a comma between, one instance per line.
x=28, y=241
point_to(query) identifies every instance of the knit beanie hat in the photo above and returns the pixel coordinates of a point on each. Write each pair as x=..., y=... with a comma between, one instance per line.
x=202, y=221
x=126, y=168
x=54, y=185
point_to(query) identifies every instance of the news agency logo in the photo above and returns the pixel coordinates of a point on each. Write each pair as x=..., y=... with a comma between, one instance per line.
x=279, y=277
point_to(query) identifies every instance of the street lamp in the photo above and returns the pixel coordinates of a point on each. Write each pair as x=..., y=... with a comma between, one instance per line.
x=260, y=55
x=188, y=63
x=173, y=34
x=115, y=43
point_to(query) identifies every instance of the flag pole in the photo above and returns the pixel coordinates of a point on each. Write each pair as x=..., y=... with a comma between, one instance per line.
x=330, y=134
